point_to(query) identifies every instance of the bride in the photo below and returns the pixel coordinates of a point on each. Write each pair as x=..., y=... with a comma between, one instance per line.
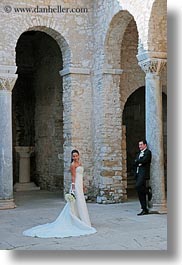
x=74, y=219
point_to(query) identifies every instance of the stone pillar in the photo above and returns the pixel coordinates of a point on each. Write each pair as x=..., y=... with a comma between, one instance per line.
x=77, y=104
x=7, y=81
x=24, y=169
x=154, y=129
x=112, y=181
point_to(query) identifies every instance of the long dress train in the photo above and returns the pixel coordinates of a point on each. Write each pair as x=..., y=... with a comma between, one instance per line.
x=73, y=220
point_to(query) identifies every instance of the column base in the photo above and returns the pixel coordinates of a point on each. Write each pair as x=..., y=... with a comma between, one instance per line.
x=159, y=208
x=7, y=204
x=25, y=186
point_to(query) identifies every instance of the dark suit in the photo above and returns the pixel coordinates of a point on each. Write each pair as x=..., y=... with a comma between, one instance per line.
x=142, y=173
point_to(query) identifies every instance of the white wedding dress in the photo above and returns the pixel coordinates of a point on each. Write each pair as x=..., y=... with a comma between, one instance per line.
x=73, y=220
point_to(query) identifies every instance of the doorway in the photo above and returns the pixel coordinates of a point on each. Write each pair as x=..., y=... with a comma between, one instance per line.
x=38, y=108
x=134, y=120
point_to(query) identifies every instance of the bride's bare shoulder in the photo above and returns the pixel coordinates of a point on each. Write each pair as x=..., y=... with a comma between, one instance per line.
x=72, y=165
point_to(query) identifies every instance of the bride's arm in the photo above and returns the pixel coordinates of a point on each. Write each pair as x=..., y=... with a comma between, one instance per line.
x=73, y=175
x=84, y=188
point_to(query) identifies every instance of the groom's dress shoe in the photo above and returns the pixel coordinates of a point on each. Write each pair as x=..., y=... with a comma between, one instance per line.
x=143, y=212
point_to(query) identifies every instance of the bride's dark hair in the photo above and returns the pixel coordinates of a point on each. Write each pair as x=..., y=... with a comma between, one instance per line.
x=73, y=151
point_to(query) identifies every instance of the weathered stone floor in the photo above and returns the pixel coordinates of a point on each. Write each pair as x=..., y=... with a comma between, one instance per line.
x=118, y=226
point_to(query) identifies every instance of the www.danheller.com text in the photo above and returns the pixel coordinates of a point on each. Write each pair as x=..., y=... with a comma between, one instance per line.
x=45, y=9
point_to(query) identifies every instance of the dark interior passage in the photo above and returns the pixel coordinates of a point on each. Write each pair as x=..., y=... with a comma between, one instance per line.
x=38, y=107
x=134, y=119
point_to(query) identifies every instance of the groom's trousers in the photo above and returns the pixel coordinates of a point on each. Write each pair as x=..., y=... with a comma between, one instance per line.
x=141, y=190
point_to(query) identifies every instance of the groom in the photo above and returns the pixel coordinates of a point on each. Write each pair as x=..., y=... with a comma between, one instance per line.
x=142, y=174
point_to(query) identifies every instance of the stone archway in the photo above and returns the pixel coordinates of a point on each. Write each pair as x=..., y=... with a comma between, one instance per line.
x=121, y=75
x=134, y=120
x=38, y=107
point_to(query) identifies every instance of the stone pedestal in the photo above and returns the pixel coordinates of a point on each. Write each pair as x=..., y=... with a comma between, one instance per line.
x=154, y=131
x=7, y=80
x=24, y=169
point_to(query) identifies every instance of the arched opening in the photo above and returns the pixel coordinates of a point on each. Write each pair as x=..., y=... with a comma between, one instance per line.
x=134, y=120
x=121, y=77
x=38, y=108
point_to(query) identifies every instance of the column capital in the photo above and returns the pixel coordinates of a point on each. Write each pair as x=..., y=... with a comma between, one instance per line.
x=153, y=65
x=152, y=62
x=24, y=151
x=7, y=77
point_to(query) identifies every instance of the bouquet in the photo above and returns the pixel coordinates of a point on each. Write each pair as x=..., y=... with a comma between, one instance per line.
x=70, y=197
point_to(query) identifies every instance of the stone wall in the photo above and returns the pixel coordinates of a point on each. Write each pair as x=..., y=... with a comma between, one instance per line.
x=83, y=107
x=121, y=31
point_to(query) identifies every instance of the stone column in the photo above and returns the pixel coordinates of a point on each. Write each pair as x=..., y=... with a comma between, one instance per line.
x=24, y=169
x=7, y=81
x=77, y=104
x=112, y=181
x=154, y=129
